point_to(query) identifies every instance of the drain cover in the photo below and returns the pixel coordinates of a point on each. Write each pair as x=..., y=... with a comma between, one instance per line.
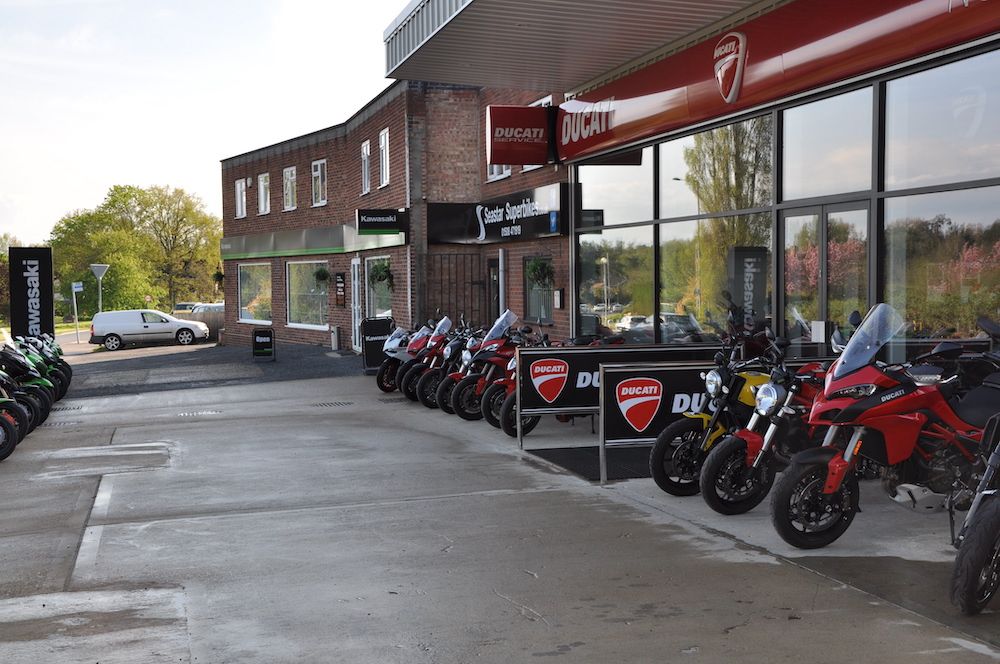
x=198, y=413
x=57, y=409
x=333, y=404
x=58, y=424
x=392, y=399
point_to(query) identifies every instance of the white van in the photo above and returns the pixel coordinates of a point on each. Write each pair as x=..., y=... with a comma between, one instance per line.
x=135, y=326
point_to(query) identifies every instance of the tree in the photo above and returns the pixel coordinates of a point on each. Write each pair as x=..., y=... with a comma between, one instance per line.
x=7, y=240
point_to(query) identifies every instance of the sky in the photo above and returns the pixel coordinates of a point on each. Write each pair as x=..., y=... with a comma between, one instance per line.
x=96, y=93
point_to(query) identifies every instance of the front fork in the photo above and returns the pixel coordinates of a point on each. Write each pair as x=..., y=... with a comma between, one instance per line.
x=758, y=455
x=839, y=465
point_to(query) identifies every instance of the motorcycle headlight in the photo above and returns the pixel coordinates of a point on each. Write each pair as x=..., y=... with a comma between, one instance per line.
x=512, y=364
x=467, y=356
x=713, y=383
x=769, y=398
x=471, y=342
x=447, y=352
x=854, y=392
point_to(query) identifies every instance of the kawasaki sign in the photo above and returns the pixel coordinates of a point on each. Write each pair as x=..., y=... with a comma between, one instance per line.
x=31, y=291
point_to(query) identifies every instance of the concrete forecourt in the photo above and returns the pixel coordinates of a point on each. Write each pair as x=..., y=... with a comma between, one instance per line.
x=319, y=520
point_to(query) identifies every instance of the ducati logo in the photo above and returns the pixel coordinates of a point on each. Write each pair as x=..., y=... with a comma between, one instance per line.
x=730, y=59
x=639, y=399
x=549, y=378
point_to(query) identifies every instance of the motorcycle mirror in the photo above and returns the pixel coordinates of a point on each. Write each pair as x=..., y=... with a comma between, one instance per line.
x=720, y=358
x=769, y=333
x=837, y=341
x=946, y=350
x=855, y=318
x=525, y=329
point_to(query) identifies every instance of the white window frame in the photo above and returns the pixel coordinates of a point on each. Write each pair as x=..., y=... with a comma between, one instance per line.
x=288, y=189
x=239, y=297
x=288, y=298
x=240, y=191
x=496, y=172
x=383, y=158
x=368, y=288
x=544, y=101
x=264, y=193
x=366, y=167
x=319, y=175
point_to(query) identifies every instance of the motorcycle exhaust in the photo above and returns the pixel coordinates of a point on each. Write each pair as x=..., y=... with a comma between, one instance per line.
x=919, y=498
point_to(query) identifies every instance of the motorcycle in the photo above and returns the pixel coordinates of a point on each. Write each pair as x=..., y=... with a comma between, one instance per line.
x=28, y=379
x=739, y=470
x=430, y=357
x=395, y=351
x=907, y=417
x=451, y=358
x=494, y=354
x=976, y=574
x=677, y=456
x=503, y=388
x=448, y=381
x=414, y=347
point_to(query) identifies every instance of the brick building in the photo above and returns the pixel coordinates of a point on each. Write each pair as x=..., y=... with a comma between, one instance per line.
x=393, y=212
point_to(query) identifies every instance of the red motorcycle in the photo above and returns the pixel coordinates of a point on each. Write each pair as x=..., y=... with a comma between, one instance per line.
x=491, y=360
x=908, y=418
x=430, y=357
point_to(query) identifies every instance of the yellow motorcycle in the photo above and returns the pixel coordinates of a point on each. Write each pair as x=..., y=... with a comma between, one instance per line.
x=727, y=404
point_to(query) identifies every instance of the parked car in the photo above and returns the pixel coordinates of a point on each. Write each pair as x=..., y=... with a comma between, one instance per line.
x=115, y=328
x=213, y=315
x=629, y=321
x=185, y=307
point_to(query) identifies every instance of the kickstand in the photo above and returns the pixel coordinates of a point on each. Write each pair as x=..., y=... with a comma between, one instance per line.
x=951, y=518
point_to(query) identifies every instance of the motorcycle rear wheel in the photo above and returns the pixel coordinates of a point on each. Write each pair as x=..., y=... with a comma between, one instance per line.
x=386, y=376
x=508, y=418
x=33, y=406
x=465, y=401
x=8, y=437
x=728, y=485
x=409, y=385
x=803, y=515
x=676, y=457
x=427, y=387
x=22, y=419
x=976, y=575
x=443, y=394
x=402, y=369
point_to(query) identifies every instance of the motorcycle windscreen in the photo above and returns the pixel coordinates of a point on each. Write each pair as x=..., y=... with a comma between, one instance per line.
x=443, y=326
x=501, y=325
x=877, y=329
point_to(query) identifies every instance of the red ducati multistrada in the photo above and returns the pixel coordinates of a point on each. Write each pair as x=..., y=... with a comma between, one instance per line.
x=906, y=417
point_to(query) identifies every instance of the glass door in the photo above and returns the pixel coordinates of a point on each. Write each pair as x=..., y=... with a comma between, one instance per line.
x=825, y=268
x=356, y=304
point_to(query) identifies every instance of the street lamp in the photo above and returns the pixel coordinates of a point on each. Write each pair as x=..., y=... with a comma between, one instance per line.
x=603, y=260
x=99, y=269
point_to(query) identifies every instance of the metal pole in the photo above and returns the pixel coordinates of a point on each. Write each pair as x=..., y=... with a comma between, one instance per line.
x=100, y=294
x=602, y=451
x=503, y=281
x=76, y=319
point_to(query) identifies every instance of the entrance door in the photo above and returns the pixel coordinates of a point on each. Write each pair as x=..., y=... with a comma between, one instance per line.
x=825, y=266
x=492, y=289
x=356, y=304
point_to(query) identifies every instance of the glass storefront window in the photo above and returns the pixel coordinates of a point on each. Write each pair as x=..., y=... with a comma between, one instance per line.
x=802, y=274
x=616, y=283
x=942, y=260
x=942, y=124
x=308, y=296
x=677, y=199
x=728, y=168
x=827, y=146
x=713, y=271
x=618, y=189
x=538, y=288
x=846, y=264
x=379, y=300
x=255, y=292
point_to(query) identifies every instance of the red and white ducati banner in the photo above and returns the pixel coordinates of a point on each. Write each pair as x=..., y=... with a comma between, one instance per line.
x=549, y=378
x=639, y=399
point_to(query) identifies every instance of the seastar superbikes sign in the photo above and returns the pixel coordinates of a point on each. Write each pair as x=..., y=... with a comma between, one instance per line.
x=530, y=214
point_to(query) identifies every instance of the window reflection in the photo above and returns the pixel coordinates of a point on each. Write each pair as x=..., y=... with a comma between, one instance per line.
x=802, y=274
x=847, y=264
x=827, y=146
x=942, y=124
x=729, y=168
x=616, y=283
x=942, y=260
x=714, y=272
x=618, y=189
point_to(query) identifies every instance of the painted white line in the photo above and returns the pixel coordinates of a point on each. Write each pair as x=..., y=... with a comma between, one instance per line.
x=103, y=499
x=86, y=557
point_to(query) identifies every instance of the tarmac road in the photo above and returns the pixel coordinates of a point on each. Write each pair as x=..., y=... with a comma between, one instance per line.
x=318, y=520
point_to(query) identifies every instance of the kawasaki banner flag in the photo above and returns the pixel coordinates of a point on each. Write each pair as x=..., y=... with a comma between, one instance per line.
x=31, y=291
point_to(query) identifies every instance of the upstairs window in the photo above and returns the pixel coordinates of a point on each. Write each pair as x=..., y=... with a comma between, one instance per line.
x=288, y=188
x=241, y=198
x=383, y=157
x=366, y=158
x=497, y=171
x=263, y=193
x=319, y=182
x=544, y=101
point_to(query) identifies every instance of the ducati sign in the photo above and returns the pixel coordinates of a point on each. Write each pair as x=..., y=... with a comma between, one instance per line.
x=549, y=378
x=639, y=400
x=730, y=60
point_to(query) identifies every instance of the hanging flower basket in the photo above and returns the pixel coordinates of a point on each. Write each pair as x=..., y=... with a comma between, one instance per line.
x=322, y=274
x=539, y=271
x=379, y=272
x=219, y=276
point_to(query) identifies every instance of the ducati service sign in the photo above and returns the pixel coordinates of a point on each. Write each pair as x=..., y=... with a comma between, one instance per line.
x=730, y=57
x=639, y=400
x=549, y=378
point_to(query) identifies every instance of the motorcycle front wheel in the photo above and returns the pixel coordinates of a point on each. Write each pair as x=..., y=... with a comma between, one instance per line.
x=427, y=387
x=728, y=485
x=976, y=575
x=465, y=401
x=508, y=418
x=491, y=403
x=675, y=460
x=386, y=376
x=803, y=515
x=443, y=394
x=409, y=384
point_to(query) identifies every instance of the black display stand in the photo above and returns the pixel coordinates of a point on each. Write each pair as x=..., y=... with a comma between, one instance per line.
x=262, y=344
x=374, y=332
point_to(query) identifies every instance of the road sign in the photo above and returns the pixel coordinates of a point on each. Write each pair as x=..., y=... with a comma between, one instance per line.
x=77, y=286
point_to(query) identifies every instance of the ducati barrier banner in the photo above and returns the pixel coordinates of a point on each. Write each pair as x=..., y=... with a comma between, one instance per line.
x=31, y=294
x=567, y=379
x=639, y=400
x=374, y=332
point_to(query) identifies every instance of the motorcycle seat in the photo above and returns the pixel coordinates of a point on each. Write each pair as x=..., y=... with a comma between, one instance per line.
x=981, y=403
